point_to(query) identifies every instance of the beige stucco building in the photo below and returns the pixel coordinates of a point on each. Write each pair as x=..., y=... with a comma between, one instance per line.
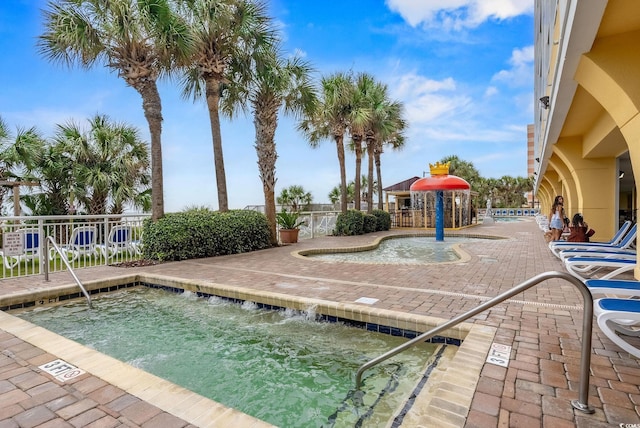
x=587, y=115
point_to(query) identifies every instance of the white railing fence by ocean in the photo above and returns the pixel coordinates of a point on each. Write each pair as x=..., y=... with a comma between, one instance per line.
x=95, y=240
x=86, y=240
x=317, y=223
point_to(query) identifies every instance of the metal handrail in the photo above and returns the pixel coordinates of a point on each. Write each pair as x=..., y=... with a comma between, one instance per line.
x=582, y=403
x=63, y=257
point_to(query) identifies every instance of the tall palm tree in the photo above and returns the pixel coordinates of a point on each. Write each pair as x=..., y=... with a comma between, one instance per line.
x=278, y=85
x=110, y=164
x=360, y=116
x=385, y=125
x=138, y=39
x=331, y=120
x=228, y=35
x=396, y=141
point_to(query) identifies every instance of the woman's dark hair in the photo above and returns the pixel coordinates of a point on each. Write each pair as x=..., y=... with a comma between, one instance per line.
x=577, y=219
x=556, y=201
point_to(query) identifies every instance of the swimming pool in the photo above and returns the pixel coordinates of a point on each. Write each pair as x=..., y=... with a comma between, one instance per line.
x=280, y=366
x=401, y=250
x=509, y=219
x=434, y=400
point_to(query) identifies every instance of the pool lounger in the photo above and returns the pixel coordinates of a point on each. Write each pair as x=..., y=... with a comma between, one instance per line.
x=618, y=316
x=584, y=267
x=622, y=240
x=620, y=254
x=618, y=287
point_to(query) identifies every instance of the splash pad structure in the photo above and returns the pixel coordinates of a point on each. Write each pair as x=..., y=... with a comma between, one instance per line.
x=447, y=198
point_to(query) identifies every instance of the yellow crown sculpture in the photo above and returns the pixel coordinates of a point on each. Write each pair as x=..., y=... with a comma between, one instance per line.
x=439, y=168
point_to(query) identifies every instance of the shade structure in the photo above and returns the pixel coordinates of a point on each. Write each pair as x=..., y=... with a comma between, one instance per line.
x=440, y=182
x=442, y=192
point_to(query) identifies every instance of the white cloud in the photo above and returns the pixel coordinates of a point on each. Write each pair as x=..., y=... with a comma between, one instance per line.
x=520, y=73
x=458, y=14
x=491, y=91
x=426, y=99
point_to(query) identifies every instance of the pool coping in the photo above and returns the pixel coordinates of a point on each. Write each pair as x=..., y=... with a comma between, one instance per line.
x=444, y=401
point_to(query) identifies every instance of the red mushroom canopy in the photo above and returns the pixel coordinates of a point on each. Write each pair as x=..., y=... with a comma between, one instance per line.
x=439, y=182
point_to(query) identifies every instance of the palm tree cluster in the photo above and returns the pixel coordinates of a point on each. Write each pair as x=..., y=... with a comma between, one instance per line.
x=504, y=192
x=360, y=107
x=226, y=52
x=99, y=171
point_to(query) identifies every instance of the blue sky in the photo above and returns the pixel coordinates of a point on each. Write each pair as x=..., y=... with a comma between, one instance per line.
x=462, y=68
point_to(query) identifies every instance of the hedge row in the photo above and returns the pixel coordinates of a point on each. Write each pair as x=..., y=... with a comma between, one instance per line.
x=355, y=222
x=204, y=233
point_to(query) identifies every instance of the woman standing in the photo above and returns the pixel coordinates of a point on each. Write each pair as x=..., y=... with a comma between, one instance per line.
x=556, y=218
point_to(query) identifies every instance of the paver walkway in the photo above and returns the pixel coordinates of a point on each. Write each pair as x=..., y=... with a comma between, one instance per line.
x=543, y=326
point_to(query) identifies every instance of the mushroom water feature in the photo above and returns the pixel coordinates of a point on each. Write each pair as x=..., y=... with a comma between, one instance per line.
x=446, y=196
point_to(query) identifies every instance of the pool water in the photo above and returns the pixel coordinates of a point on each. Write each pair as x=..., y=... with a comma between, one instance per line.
x=508, y=219
x=279, y=366
x=414, y=250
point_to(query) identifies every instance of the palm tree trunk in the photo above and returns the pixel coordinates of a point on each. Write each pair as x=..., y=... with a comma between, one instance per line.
x=265, y=126
x=152, y=107
x=357, y=148
x=370, y=145
x=379, y=180
x=213, y=99
x=343, y=172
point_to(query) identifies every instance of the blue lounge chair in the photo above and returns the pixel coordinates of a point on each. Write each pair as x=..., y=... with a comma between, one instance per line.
x=616, y=318
x=605, y=253
x=584, y=267
x=118, y=241
x=81, y=243
x=619, y=287
x=622, y=240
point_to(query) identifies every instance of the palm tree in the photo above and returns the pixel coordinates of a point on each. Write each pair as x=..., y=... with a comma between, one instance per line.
x=334, y=195
x=295, y=196
x=278, y=84
x=396, y=141
x=54, y=171
x=138, y=39
x=385, y=125
x=110, y=164
x=461, y=168
x=19, y=156
x=360, y=116
x=331, y=120
x=228, y=35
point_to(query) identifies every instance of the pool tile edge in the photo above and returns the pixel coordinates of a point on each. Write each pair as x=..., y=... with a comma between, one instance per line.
x=156, y=391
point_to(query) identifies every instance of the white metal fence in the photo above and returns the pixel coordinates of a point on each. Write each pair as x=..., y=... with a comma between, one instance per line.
x=94, y=240
x=85, y=240
x=317, y=223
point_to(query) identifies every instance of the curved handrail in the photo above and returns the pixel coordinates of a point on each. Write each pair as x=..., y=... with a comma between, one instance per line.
x=66, y=262
x=582, y=403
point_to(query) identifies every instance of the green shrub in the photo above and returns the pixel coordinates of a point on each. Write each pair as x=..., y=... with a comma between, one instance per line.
x=204, y=233
x=383, y=220
x=349, y=223
x=370, y=223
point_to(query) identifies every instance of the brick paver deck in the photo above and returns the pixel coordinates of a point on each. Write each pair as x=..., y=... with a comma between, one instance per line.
x=542, y=324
